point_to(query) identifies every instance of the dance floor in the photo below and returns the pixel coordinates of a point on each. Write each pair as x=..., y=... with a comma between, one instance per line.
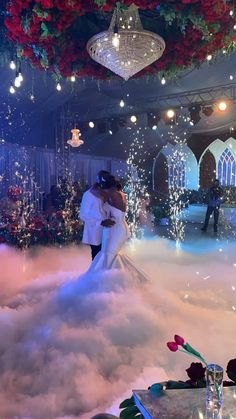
x=70, y=348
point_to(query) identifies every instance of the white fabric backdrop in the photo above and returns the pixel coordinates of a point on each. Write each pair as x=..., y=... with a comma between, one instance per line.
x=19, y=163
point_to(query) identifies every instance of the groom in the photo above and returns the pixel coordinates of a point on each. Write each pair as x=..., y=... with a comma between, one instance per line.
x=94, y=216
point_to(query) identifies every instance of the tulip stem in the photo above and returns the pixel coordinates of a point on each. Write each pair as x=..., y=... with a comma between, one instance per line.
x=195, y=356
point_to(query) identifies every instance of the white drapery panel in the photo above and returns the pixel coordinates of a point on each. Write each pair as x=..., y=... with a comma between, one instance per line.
x=24, y=164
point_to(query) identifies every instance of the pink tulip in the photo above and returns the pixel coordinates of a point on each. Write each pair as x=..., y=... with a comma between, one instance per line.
x=173, y=347
x=179, y=340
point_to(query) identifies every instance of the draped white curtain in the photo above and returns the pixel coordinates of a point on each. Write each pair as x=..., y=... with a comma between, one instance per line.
x=25, y=164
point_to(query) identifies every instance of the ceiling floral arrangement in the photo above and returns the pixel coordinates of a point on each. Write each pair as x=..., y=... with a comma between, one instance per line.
x=52, y=34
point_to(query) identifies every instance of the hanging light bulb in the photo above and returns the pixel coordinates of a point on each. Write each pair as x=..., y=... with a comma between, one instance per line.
x=20, y=77
x=12, y=65
x=163, y=80
x=12, y=89
x=73, y=79
x=58, y=86
x=17, y=82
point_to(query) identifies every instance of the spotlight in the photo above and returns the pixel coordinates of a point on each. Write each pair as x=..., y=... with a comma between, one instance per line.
x=207, y=110
x=58, y=87
x=170, y=114
x=72, y=78
x=194, y=112
x=163, y=80
x=12, y=65
x=222, y=106
x=91, y=124
x=133, y=118
x=12, y=89
x=122, y=103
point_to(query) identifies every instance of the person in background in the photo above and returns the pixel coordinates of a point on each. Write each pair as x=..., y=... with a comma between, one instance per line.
x=94, y=216
x=215, y=194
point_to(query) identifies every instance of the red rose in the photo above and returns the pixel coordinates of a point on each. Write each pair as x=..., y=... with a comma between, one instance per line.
x=173, y=347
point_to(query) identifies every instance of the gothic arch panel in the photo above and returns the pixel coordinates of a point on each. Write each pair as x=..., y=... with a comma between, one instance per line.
x=207, y=170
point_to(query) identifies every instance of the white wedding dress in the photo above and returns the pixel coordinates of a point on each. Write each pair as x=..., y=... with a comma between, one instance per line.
x=113, y=239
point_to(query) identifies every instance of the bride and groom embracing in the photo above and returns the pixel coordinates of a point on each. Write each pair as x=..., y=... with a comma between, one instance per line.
x=103, y=211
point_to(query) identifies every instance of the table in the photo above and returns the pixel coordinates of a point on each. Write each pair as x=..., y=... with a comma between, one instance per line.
x=183, y=404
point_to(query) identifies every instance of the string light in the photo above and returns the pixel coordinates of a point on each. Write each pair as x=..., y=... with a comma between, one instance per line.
x=17, y=82
x=163, y=80
x=91, y=124
x=231, y=77
x=58, y=87
x=209, y=57
x=154, y=127
x=231, y=12
x=32, y=97
x=72, y=79
x=122, y=103
x=12, y=89
x=133, y=118
x=20, y=77
x=12, y=65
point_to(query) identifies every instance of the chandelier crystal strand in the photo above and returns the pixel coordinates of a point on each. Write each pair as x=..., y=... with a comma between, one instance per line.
x=126, y=48
x=75, y=141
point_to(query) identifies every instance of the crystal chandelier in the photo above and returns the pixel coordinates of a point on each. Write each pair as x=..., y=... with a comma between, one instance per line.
x=75, y=140
x=126, y=48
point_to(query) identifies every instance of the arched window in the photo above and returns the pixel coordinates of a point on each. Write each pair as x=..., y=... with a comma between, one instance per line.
x=227, y=168
x=177, y=174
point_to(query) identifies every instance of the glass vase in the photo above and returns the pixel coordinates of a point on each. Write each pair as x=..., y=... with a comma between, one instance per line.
x=214, y=386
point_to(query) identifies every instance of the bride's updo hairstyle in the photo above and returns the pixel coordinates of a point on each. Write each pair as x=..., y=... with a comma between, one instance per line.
x=109, y=182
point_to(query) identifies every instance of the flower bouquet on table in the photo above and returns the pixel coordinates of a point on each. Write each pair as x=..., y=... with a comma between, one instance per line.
x=200, y=375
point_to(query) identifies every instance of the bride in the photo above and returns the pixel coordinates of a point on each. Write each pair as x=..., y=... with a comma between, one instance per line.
x=115, y=237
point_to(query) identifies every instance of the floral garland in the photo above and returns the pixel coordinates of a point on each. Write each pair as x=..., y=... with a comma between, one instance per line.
x=52, y=34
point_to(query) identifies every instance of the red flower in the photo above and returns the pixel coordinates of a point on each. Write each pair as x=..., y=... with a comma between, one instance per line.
x=179, y=340
x=173, y=347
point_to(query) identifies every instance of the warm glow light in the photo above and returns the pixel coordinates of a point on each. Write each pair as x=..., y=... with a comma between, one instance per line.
x=122, y=103
x=222, y=106
x=133, y=118
x=58, y=87
x=12, y=65
x=72, y=79
x=12, y=89
x=17, y=82
x=163, y=80
x=91, y=124
x=170, y=113
x=20, y=77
